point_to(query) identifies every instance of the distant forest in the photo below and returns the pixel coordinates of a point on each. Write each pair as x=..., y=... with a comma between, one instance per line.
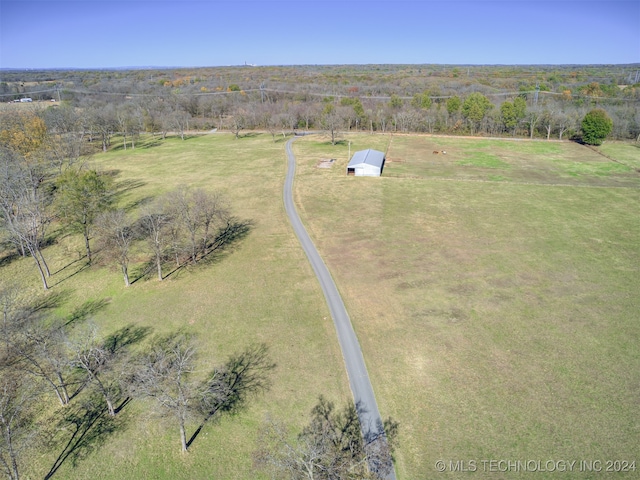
x=538, y=101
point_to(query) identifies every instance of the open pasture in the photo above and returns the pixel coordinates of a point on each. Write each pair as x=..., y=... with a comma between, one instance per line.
x=494, y=291
x=516, y=161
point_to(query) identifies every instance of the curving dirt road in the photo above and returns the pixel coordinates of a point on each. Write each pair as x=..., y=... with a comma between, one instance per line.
x=354, y=362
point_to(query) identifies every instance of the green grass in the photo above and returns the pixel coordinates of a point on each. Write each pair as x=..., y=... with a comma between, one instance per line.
x=518, y=161
x=627, y=153
x=498, y=320
x=261, y=290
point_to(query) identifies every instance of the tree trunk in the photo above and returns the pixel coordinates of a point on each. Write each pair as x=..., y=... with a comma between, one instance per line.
x=61, y=390
x=125, y=274
x=159, y=266
x=44, y=263
x=183, y=436
x=40, y=270
x=13, y=474
x=112, y=411
x=86, y=245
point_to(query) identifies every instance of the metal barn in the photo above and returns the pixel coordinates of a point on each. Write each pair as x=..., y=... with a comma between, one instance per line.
x=366, y=163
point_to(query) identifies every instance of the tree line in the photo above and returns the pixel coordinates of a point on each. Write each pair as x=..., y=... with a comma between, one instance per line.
x=534, y=102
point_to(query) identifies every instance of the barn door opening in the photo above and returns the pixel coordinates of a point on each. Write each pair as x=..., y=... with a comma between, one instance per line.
x=351, y=171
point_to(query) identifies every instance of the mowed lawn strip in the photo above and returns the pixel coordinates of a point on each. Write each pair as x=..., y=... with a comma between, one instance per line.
x=498, y=320
x=261, y=289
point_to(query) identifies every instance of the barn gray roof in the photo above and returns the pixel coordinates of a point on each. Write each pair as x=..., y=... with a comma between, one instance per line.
x=370, y=157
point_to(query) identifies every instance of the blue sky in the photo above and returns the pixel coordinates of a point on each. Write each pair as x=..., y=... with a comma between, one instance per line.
x=104, y=34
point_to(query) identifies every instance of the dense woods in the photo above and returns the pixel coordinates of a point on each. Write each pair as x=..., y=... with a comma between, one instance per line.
x=532, y=101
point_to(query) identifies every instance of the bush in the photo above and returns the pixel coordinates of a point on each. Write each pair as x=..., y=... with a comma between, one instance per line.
x=596, y=125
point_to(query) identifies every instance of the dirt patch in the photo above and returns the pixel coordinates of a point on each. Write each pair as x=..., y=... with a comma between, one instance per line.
x=326, y=163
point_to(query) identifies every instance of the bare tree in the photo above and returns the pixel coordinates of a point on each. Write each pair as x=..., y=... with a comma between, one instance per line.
x=198, y=212
x=42, y=354
x=179, y=120
x=211, y=210
x=29, y=222
x=23, y=205
x=17, y=428
x=116, y=235
x=237, y=122
x=67, y=143
x=104, y=361
x=331, y=123
x=165, y=374
x=103, y=121
x=532, y=116
x=156, y=223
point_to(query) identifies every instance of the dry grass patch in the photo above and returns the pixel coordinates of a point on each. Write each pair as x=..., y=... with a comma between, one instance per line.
x=497, y=319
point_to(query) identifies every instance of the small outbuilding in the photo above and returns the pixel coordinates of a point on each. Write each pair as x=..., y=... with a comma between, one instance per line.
x=366, y=163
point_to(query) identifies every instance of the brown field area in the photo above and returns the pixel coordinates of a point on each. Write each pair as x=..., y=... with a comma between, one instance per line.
x=494, y=291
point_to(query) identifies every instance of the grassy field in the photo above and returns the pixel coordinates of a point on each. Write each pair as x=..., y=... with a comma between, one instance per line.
x=494, y=290
x=261, y=290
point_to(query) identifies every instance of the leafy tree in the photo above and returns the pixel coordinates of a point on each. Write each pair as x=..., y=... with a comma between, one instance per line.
x=520, y=107
x=395, y=101
x=508, y=116
x=512, y=113
x=475, y=107
x=80, y=197
x=453, y=105
x=25, y=133
x=331, y=446
x=422, y=100
x=596, y=125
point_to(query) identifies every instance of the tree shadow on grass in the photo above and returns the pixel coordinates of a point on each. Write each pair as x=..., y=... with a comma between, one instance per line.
x=125, y=337
x=82, y=428
x=227, y=237
x=230, y=387
x=8, y=258
x=86, y=310
x=79, y=259
x=72, y=274
x=49, y=301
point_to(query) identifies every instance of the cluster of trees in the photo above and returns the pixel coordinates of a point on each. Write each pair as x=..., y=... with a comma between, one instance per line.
x=41, y=187
x=538, y=101
x=46, y=361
